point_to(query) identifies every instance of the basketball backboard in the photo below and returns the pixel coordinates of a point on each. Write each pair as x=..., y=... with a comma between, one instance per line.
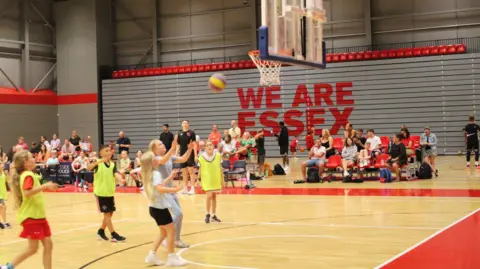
x=292, y=32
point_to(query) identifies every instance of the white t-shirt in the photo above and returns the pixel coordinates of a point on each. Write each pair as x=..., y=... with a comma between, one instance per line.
x=160, y=199
x=228, y=147
x=317, y=151
x=374, y=142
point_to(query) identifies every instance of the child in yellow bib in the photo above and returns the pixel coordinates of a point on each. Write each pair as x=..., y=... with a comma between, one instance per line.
x=28, y=194
x=211, y=173
x=3, y=197
x=104, y=177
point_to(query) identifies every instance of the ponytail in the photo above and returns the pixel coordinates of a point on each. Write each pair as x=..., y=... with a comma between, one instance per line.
x=146, y=162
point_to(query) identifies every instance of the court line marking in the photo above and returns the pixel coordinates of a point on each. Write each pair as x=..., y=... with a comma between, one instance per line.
x=179, y=253
x=310, y=225
x=427, y=239
x=327, y=225
x=61, y=232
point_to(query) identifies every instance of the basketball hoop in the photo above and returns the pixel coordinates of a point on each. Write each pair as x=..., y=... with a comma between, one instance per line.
x=269, y=70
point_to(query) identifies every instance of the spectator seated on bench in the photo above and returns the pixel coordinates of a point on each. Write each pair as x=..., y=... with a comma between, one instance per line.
x=349, y=155
x=125, y=167
x=317, y=159
x=398, y=156
x=244, y=152
x=364, y=156
x=228, y=148
x=375, y=143
x=79, y=167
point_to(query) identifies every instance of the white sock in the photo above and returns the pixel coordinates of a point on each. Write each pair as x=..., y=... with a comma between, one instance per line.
x=208, y=213
x=152, y=252
x=172, y=255
x=476, y=163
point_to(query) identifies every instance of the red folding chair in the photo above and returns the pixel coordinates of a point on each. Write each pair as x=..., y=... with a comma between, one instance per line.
x=333, y=163
x=338, y=144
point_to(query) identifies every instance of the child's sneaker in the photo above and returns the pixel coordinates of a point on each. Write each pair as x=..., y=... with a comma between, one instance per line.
x=175, y=261
x=207, y=218
x=6, y=266
x=214, y=218
x=7, y=225
x=192, y=191
x=117, y=238
x=181, y=244
x=101, y=235
x=1, y=228
x=153, y=259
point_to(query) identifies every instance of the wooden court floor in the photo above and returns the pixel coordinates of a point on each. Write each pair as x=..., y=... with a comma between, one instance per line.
x=261, y=231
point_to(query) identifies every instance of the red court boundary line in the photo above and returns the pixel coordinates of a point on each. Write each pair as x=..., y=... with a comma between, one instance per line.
x=426, y=240
x=450, y=193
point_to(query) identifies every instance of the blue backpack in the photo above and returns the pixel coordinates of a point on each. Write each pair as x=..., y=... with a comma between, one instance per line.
x=386, y=174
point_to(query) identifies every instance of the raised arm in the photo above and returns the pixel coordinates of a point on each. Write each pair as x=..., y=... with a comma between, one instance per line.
x=187, y=154
x=47, y=186
x=92, y=166
x=163, y=159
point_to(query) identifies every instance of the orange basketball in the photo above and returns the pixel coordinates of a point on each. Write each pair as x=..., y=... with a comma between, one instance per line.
x=302, y=149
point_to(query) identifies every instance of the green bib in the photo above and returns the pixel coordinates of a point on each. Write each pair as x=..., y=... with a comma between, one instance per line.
x=211, y=173
x=3, y=186
x=104, y=180
x=34, y=206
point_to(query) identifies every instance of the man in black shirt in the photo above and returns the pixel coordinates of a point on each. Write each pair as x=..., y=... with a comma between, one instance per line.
x=398, y=155
x=123, y=143
x=185, y=137
x=471, y=140
x=283, y=142
x=166, y=137
x=260, y=145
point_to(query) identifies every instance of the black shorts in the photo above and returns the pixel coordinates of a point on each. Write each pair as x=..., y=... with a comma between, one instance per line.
x=161, y=216
x=472, y=144
x=190, y=162
x=261, y=158
x=106, y=204
x=283, y=150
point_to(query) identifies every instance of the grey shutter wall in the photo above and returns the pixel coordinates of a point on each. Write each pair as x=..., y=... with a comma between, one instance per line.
x=438, y=91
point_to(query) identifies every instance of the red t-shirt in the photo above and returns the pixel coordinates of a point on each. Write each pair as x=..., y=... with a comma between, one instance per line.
x=294, y=143
x=406, y=141
x=309, y=141
x=215, y=138
x=28, y=183
x=24, y=146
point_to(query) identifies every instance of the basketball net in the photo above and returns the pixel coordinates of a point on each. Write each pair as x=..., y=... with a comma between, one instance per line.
x=269, y=70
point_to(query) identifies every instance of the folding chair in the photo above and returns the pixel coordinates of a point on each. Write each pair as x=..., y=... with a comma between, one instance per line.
x=331, y=166
x=239, y=168
x=226, y=169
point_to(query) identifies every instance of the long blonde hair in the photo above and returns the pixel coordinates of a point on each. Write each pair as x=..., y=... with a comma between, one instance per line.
x=146, y=162
x=19, y=160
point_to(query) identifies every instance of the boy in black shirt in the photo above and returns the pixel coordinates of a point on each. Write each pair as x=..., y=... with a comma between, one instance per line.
x=260, y=145
x=283, y=143
x=398, y=155
x=471, y=140
x=185, y=136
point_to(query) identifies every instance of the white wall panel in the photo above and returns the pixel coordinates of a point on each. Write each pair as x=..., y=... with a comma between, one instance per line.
x=385, y=8
x=38, y=69
x=11, y=31
x=438, y=91
x=203, y=22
